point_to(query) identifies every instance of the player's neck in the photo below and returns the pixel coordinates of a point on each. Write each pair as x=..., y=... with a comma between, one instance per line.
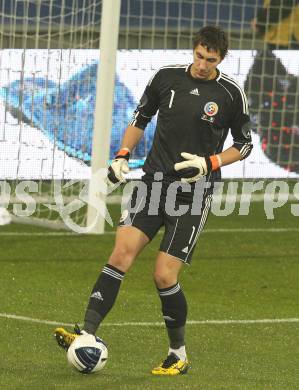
x=213, y=75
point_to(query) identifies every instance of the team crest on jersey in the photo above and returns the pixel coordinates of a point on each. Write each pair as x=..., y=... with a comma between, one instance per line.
x=210, y=109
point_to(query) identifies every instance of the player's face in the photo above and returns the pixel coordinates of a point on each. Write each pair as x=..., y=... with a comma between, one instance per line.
x=204, y=63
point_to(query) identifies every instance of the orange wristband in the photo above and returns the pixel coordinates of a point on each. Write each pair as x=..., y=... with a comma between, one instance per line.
x=216, y=162
x=123, y=152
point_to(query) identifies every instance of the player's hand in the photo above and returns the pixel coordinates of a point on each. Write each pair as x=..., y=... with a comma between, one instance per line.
x=195, y=167
x=118, y=167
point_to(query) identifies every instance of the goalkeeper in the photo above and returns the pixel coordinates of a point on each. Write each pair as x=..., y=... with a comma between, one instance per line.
x=197, y=106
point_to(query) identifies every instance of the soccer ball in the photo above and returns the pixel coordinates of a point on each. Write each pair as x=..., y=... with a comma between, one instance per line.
x=87, y=354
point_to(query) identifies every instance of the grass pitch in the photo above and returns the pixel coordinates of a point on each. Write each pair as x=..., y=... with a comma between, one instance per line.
x=247, y=271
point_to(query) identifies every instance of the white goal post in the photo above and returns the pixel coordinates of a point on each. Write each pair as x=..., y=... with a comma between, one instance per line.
x=103, y=111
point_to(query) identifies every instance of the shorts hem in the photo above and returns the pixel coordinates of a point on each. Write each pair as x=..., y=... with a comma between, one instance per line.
x=139, y=228
x=186, y=262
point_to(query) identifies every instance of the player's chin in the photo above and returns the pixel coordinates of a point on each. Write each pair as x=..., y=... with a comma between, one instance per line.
x=202, y=76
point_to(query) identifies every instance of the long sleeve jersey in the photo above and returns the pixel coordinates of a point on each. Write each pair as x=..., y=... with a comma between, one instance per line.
x=194, y=116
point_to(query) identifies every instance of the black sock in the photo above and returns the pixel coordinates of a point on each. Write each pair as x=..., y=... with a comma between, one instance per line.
x=102, y=297
x=174, y=309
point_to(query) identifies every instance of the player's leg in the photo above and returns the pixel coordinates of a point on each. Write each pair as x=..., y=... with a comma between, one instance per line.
x=128, y=243
x=174, y=310
x=177, y=247
x=136, y=229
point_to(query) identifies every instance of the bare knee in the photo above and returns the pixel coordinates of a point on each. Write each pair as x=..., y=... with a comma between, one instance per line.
x=163, y=278
x=167, y=269
x=122, y=258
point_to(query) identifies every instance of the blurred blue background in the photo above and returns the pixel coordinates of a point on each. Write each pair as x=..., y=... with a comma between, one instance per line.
x=65, y=112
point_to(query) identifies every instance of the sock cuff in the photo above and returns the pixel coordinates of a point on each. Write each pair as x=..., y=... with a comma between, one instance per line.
x=169, y=290
x=113, y=272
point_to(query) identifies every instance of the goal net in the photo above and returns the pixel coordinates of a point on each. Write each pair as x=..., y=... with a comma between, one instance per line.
x=48, y=69
x=48, y=73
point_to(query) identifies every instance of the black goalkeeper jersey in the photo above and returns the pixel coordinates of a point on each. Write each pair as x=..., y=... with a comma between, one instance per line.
x=194, y=116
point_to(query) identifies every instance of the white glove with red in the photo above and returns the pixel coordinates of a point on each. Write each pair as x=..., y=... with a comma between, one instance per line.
x=195, y=167
x=118, y=167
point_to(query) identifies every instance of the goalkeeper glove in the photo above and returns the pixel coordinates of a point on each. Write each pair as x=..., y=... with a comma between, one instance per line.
x=118, y=167
x=196, y=166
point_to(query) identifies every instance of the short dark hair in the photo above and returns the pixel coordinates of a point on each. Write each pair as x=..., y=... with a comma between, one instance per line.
x=213, y=38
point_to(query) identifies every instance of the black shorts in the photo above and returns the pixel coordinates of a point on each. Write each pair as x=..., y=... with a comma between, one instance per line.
x=183, y=214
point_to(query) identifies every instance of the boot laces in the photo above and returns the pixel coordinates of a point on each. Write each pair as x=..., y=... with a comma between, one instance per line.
x=170, y=360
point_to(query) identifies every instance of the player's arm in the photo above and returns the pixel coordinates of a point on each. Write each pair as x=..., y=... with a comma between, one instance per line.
x=143, y=114
x=229, y=156
x=131, y=137
x=197, y=166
